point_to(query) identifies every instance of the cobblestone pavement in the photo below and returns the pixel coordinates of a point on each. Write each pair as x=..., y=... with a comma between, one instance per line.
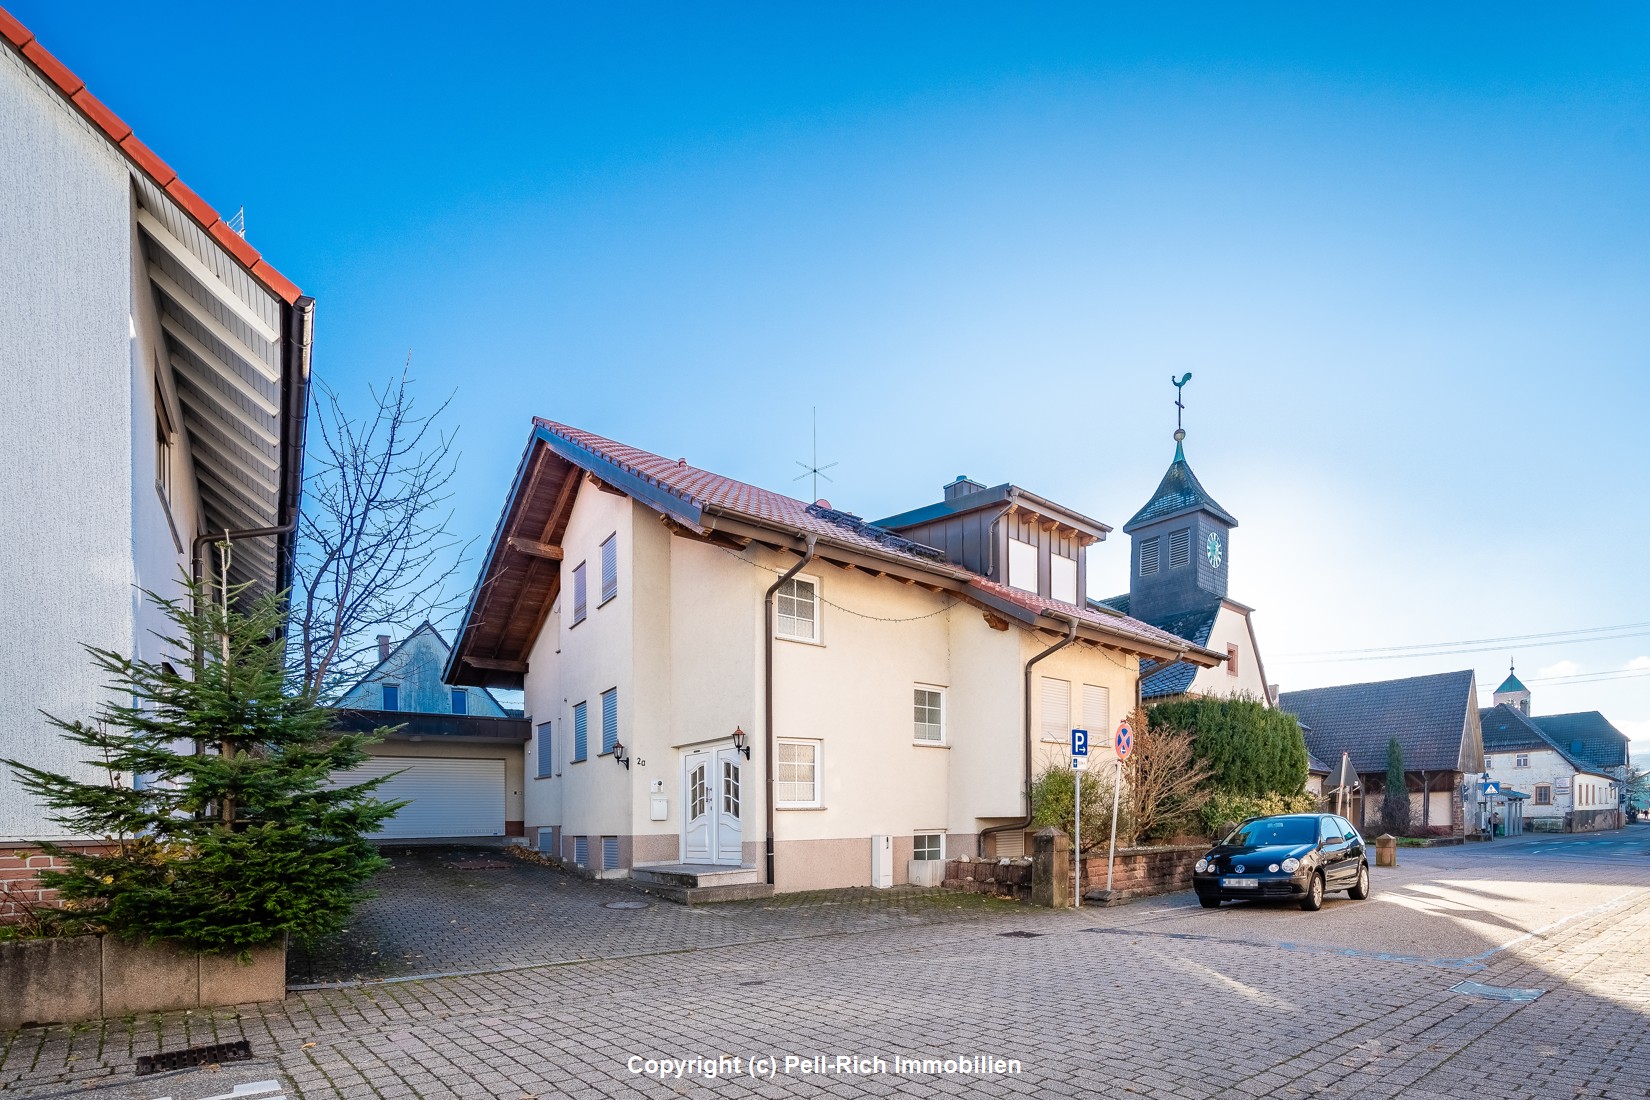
x=1156, y=1000
x=442, y=911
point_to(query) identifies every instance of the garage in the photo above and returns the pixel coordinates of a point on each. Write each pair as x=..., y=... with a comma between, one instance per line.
x=446, y=796
x=461, y=775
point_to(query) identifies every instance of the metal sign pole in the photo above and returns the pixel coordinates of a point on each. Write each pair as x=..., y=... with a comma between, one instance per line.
x=1077, y=841
x=1111, y=855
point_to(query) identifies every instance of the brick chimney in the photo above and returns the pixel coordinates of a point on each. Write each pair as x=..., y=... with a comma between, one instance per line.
x=383, y=647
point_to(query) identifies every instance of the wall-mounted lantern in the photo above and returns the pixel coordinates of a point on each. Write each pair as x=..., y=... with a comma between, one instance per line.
x=618, y=755
x=739, y=740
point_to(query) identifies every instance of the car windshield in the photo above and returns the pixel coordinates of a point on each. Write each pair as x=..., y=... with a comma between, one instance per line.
x=1275, y=830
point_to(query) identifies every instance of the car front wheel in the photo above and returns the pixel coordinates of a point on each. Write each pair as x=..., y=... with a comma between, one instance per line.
x=1360, y=891
x=1313, y=901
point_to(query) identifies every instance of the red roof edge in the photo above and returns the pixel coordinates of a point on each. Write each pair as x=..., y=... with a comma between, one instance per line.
x=120, y=135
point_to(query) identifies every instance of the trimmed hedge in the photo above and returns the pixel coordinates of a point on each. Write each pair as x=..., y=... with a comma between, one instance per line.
x=1252, y=750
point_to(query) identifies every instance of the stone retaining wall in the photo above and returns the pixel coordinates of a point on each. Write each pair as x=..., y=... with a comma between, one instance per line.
x=74, y=978
x=1142, y=872
x=1000, y=878
x=1139, y=872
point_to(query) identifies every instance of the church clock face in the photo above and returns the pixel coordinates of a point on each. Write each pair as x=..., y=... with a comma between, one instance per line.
x=1213, y=549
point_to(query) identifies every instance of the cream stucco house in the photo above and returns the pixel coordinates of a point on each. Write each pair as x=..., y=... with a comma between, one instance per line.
x=733, y=689
x=155, y=370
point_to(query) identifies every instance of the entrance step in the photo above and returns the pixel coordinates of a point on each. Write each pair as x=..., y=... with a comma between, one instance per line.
x=697, y=883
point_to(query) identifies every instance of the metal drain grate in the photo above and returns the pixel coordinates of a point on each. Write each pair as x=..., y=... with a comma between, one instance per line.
x=238, y=1051
x=1496, y=992
x=626, y=905
x=1021, y=935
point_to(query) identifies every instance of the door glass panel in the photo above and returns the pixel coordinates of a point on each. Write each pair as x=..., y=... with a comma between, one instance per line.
x=730, y=788
x=699, y=793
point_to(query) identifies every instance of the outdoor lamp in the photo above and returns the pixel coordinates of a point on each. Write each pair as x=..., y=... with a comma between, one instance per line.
x=739, y=742
x=618, y=755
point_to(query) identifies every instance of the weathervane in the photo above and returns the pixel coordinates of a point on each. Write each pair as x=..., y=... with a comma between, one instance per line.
x=816, y=469
x=1179, y=404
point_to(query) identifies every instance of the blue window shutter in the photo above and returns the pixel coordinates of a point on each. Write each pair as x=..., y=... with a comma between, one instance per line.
x=610, y=567
x=610, y=852
x=461, y=701
x=581, y=851
x=610, y=719
x=579, y=742
x=578, y=593
x=547, y=755
x=392, y=697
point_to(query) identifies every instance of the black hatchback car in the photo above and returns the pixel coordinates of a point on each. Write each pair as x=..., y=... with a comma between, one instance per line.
x=1296, y=857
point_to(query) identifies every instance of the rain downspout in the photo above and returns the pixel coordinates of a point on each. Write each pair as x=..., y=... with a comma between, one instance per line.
x=767, y=686
x=1025, y=822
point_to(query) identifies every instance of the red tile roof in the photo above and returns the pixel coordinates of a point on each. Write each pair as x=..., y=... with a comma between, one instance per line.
x=710, y=490
x=120, y=135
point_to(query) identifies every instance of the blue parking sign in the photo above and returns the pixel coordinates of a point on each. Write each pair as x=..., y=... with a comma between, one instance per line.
x=1079, y=742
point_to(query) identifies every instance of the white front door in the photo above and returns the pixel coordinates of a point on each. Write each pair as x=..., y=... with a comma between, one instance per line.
x=713, y=796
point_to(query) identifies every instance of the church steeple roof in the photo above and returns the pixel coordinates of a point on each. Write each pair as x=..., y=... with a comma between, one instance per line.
x=1510, y=684
x=1177, y=494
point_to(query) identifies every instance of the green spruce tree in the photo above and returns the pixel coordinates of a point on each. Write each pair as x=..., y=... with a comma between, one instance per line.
x=220, y=831
x=1395, y=803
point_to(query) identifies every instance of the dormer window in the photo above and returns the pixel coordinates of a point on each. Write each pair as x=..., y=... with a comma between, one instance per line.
x=1180, y=548
x=1062, y=580
x=1148, y=557
x=1022, y=565
x=392, y=697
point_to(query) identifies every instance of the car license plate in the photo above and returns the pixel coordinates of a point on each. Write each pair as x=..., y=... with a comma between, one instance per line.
x=1239, y=884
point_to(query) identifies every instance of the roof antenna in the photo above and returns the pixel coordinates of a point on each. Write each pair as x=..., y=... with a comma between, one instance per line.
x=1179, y=407
x=816, y=469
x=238, y=222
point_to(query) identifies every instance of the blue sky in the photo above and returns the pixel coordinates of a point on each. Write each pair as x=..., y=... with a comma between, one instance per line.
x=1401, y=247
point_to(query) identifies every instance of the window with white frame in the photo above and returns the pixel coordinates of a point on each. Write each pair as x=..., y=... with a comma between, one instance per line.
x=1062, y=578
x=1055, y=696
x=796, y=607
x=928, y=846
x=928, y=714
x=579, y=594
x=798, y=780
x=1022, y=565
x=1097, y=712
x=610, y=567
x=1522, y=760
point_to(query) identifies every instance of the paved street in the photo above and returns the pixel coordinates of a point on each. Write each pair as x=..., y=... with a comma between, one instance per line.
x=1156, y=999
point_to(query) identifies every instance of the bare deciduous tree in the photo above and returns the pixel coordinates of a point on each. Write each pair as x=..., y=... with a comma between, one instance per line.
x=373, y=545
x=1163, y=781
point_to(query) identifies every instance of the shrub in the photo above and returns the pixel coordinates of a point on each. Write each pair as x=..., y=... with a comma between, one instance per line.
x=1054, y=801
x=1249, y=748
x=237, y=843
x=1163, y=782
x=1224, y=807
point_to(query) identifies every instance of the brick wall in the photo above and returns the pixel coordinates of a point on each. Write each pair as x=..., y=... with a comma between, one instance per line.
x=1141, y=872
x=20, y=890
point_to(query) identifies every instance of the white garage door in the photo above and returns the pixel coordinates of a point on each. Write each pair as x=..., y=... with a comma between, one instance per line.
x=444, y=797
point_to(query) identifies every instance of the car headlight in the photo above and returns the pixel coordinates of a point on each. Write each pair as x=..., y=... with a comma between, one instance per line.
x=1273, y=868
x=1201, y=866
x=1291, y=865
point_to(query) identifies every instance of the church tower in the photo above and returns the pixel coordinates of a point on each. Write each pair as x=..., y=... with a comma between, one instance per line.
x=1180, y=543
x=1512, y=692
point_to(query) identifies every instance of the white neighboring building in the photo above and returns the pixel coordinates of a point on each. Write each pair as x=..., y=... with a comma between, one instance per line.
x=1567, y=794
x=733, y=689
x=155, y=370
